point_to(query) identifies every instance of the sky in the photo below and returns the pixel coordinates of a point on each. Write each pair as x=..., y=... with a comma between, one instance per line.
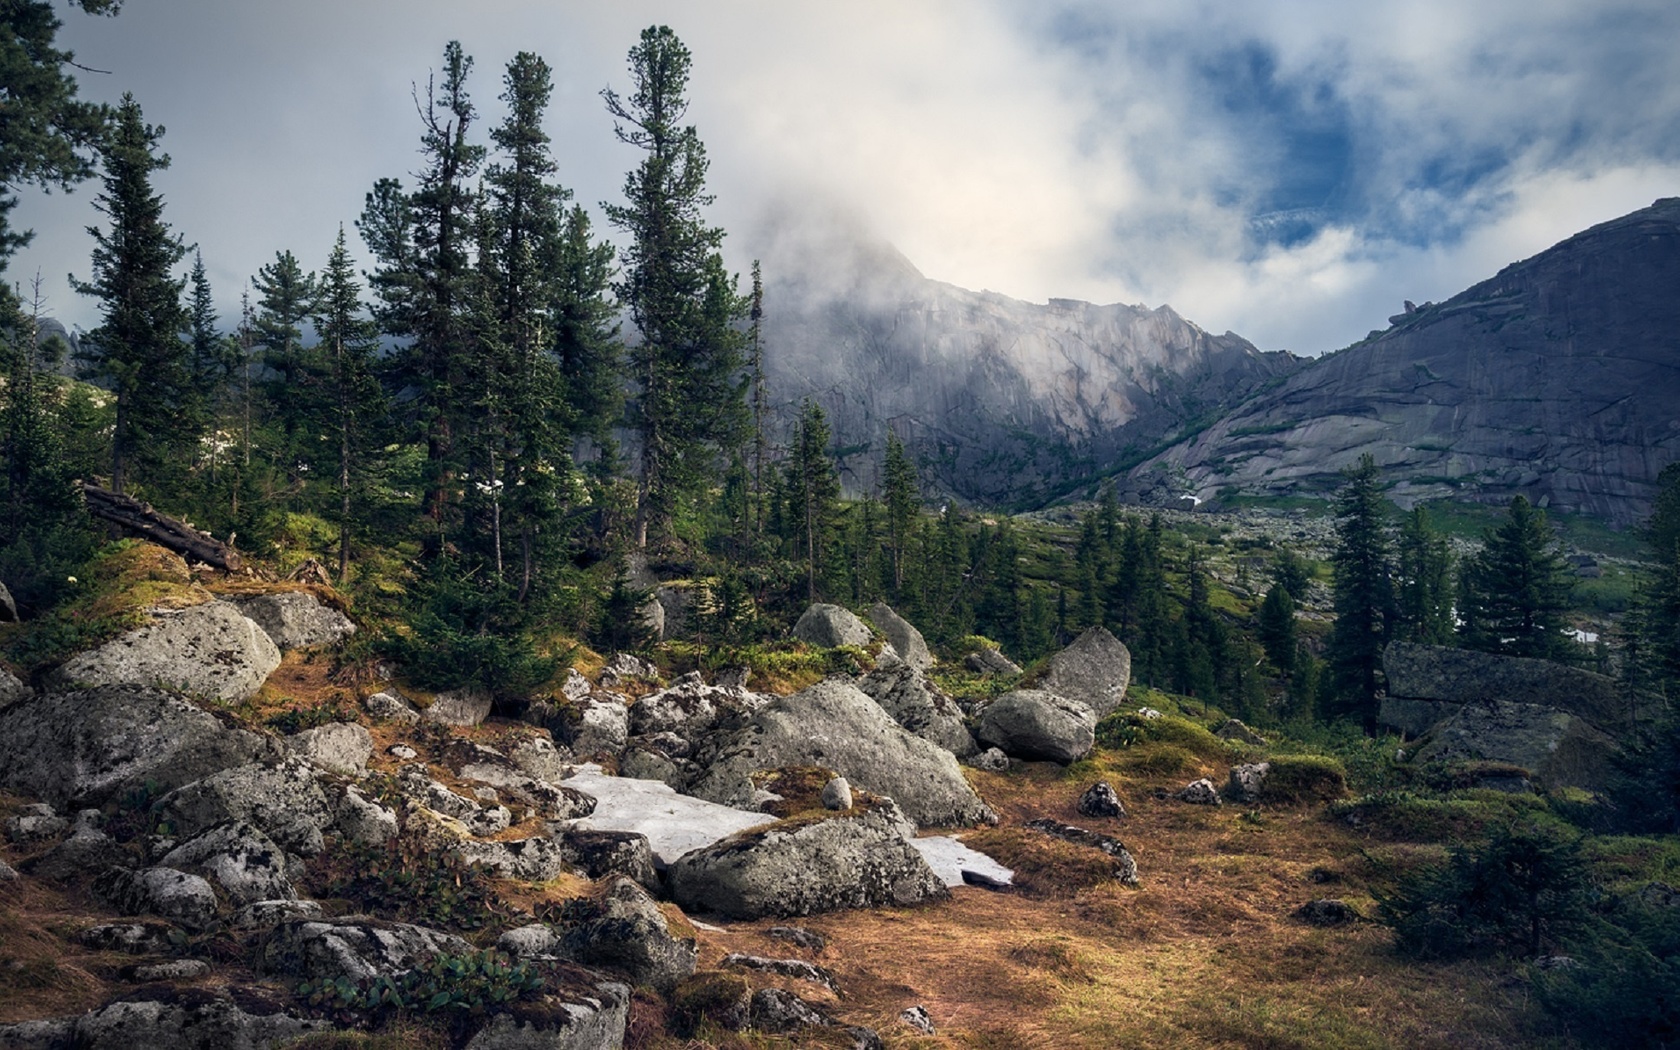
x=1289, y=170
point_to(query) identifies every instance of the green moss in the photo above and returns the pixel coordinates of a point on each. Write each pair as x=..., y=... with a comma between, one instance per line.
x=1304, y=778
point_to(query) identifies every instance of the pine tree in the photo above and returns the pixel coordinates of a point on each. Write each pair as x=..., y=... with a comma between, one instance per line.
x=138, y=346
x=285, y=300
x=1424, y=586
x=213, y=363
x=814, y=491
x=349, y=344
x=1276, y=628
x=1517, y=589
x=1363, y=593
x=900, y=493
x=689, y=401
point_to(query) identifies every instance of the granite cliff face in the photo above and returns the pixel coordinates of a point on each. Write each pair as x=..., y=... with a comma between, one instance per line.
x=1558, y=379
x=1000, y=401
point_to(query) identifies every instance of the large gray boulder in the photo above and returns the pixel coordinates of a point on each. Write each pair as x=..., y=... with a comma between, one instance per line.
x=338, y=747
x=1037, y=726
x=467, y=706
x=182, y=1019
x=285, y=800
x=919, y=706
x=536, y=859
x=184, y=899
x=11, y=687
x=834, y=724
x=861, y=860
x=579, y=1014
x=690, y=708
x=827, y=626
x=8, y=607
x=1423, y=680
x=355, y=948
x=209, y=650
x=296, y=619
x=1094, y=670
x=243, y=861
x=624, y=930
x=87, y=747
x=1560, y=749
x=904, y=638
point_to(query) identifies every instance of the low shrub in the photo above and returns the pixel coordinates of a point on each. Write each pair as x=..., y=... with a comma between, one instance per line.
x=410, y=882
x=1304, y=778
x=454, y=987
x=1128, y=729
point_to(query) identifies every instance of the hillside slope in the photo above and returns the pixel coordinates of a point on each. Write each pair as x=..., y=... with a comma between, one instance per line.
x=1558, y=379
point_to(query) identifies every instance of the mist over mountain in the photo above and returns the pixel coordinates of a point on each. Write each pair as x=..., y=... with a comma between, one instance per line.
x=1557, y=379
x=1002, y=402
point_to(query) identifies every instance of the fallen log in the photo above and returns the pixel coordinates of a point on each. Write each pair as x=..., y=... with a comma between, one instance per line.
x=133, y=516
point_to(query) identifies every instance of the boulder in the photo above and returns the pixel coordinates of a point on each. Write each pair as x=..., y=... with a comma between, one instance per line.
x=837, y=794
x=536, y=859
x=625, y=931
x=689, y=708
x=1560, y=749
x=354, y=948
x=1460, y=676
x=244, y=862
x=919, y=706
x=474, y=817
x=265, y=914
x=207, y=650
x=905, y=639
x=1236, y=729
x=87, y=851
x=338, y=747
x=580, y=1014
x=89, y=747
x=132, y=938
x=624, y=668
x=362, y=820
x=195, y=1019
x=8, y=607
x=827, y=626
x=798, y=969
x=672, y=824
x=34, y=823
x=285, y=800
x=987, y=660
x=540, y=758
x=991, y=760
x=12, y=687
x=601, y=853
x=186, y=900
x=391, y=707
x=1094, y=670
x=833, y=724
x=486, y=765
x=1247, y=781
x=1101, y=800
x=467, y=706
x=296, y=619
x=1199, y=793
x=1326, y=912
x=861, y=860
x=1035, y=725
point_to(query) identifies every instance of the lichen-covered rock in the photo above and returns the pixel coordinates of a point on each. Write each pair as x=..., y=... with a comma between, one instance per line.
x=34, y=823
x=243, y=861
x=540, y=758
x=689, y=708
x=1327, y=912
x=391, y=707
x=991, y=760
x=902, y=636
x=338, y=747
x=920, y=707
x=1461, y=676
x=583, y=1014
x=837, y=794
x=860, y=860
x=601, y=853
x=184, y=899
x=1199, y=793
x=535, y=859
x=478, y=818
x=362, y=820
x=263, y=914
x=355, y=948
x=134, y=938
x=1094, y=670
x=1036, y=726
x=486, y=765
x=987, y=660
x=285, y=800
x=625, y=931
x=833, y=724
x=11, y=687
x=296, y=619
x=1247, y=781
x=86, y=851
x=207, y=650
x=1101, y=800
x=467, y=706
x=87, y=747
x=828, y=626
x=190, y=1019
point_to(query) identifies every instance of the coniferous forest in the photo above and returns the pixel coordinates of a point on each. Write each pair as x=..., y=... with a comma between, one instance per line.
x=512, y=450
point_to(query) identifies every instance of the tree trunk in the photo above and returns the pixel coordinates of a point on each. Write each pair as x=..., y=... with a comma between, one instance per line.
x=140, y=519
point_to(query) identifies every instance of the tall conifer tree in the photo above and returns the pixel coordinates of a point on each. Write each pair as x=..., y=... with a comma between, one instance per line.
x=1364, y=594
x=1516, y=590
x=348, y=345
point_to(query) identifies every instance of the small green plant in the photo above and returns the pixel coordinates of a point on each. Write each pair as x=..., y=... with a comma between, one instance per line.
x=412, y=883
x=456, y=987
x=1304, y=778
x=297, y=719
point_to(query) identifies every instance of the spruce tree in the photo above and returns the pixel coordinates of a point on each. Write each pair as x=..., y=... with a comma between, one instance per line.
x=137, y=347
x=356, y=411
x=1424, y=585
x=814, y=490
x=1276, y=629
x=688, y=402
x=1516, y=590
x=285, y=300
x=1363, y=593
x=214, y=361
x=900, y=493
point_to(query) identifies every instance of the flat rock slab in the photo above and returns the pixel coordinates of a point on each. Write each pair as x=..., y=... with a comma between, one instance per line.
x=674, y=824
x=949, y=858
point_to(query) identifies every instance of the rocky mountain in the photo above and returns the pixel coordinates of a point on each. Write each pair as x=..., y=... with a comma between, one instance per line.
x=1558, y=378
x=1001, y=401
